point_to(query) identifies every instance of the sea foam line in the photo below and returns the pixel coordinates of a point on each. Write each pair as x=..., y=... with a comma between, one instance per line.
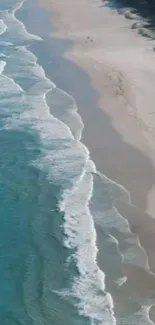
x=3, y=27
x=2, y=66
x=94, y=302
x=13, y=24
x=90, y=270
x=95, y=275
x=89, y=287
x=18, y=7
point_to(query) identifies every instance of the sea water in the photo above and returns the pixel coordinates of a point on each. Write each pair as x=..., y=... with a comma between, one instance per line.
x=50, y=193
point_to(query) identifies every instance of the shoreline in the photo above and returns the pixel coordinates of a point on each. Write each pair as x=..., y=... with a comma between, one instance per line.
x=117, y=104
x=77, y=83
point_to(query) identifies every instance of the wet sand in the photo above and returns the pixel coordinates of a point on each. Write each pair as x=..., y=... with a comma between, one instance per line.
x=110, y=90
x=123, y=76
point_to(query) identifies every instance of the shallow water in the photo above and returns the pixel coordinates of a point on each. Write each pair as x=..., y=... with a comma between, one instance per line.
x=50, y=197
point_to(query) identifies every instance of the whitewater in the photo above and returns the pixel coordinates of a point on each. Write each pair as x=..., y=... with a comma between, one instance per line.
x=66, y=162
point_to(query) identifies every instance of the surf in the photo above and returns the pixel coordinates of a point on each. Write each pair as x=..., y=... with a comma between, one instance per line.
x=67, y=164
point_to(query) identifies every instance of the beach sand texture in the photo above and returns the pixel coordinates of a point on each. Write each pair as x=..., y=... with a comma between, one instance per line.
x=120, y=65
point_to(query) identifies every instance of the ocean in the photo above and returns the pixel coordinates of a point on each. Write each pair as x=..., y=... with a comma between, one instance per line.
x=52, y=198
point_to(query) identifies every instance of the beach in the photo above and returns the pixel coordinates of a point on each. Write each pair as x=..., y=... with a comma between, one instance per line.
x=119, y=69
x=77, y=176
x=115, y=98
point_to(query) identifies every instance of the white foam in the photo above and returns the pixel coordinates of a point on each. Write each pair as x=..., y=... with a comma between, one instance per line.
x=107, y=217
x=66, y=161
x=67, y=157
x=121, y=280
x=134, y=253
x=3, y=27
x=3, y=43
x=4, y=85
x=2, y=66
x=118, y=191
x=70, y=159
x=36, y=112
x=141, y=317
x=16, y=30
x=22, y=26
x=36, y=115
x=80, y=233
x=11, y=103
x=64, y=107
x=29, y=68
x=7, y=83
x=65, y=164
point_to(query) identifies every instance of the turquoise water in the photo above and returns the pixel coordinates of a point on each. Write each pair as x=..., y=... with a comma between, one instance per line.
x=41, y=160
x=48, y=252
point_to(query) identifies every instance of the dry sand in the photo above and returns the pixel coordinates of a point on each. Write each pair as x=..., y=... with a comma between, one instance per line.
x=121, y=66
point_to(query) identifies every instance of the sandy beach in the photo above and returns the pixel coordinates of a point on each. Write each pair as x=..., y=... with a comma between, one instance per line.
x=115, y=97
x=121, y=69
